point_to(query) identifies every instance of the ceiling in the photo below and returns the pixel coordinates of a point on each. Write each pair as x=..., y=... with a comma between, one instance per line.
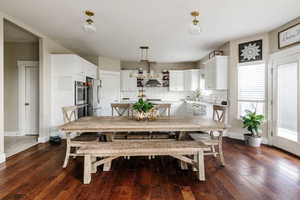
x=14, y=33
x=124, y=25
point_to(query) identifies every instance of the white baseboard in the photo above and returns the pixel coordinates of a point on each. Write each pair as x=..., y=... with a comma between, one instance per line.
x=2, y=157
x=12, y=133
x=43, y=139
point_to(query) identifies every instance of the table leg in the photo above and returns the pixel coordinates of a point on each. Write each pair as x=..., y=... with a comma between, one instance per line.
x=109, y=138
x=182, y=136
x=94, y=168
x=201, y=168
x=68, y=150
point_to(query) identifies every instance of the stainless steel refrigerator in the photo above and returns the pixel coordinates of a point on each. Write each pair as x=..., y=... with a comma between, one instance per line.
x=93, y=97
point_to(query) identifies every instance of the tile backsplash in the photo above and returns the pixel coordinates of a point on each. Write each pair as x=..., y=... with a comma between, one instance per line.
x=165, y=94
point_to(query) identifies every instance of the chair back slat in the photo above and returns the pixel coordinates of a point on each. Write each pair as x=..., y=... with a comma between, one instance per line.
x=164, y=109
x=121, y=109
x=70, y=113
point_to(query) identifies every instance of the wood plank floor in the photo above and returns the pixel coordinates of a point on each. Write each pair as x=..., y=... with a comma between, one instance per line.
x=253, y=174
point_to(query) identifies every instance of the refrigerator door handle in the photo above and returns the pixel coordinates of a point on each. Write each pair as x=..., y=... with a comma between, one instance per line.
x=98, y=93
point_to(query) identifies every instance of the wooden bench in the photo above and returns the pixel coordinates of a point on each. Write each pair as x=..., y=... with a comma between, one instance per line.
x=113, y=150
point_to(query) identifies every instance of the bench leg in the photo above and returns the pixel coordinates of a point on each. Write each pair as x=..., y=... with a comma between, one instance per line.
x=93, y=167
x=109, y=138
x=201, y=168
x=183, y=165
x=196, y=161
x=87, y=169
x=106, y=166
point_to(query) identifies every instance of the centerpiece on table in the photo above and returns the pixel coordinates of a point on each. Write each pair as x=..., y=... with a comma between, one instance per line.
x=144, y=110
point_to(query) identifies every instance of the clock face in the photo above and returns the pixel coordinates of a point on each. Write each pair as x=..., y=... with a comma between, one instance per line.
x=250, y=51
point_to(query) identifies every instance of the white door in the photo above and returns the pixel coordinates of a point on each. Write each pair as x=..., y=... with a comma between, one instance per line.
x=28, y=98
x=286, y=103
x=110, y=91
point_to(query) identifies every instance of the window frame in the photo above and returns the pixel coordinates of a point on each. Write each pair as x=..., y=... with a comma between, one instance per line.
x=238, y=113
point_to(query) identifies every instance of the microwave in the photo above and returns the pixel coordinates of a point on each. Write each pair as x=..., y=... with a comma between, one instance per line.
x=80, y=93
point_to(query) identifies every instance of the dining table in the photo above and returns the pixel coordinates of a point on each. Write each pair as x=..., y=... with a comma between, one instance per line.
x=109, y=125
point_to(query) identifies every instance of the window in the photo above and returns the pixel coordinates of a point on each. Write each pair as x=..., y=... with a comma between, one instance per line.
x=251, y=88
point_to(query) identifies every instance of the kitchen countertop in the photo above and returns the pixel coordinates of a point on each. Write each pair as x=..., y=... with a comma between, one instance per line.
x=154, y=102
x=206, y=102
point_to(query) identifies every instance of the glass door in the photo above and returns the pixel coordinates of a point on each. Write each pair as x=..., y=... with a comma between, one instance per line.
x=286, y=104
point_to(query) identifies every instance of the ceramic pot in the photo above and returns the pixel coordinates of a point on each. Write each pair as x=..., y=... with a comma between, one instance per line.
x=252, y=141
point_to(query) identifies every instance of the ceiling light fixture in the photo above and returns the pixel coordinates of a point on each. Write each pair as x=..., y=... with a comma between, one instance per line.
x=145, y=61
x=195, y=28
x=89, y=26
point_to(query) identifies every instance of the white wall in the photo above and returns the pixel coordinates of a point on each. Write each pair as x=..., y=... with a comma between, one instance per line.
x=14, y=52
x=236, y=129
x=109, y=64
x=47, y=47
x=2, y=155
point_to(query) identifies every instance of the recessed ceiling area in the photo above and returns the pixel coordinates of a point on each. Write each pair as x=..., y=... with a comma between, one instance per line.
x=14, y=33
x=123, y=26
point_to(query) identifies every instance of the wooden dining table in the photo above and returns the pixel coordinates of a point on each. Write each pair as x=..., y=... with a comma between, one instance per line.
x=111, y=125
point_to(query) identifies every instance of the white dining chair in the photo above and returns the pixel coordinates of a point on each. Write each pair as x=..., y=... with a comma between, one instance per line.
x=70, y=114
x=213, y=139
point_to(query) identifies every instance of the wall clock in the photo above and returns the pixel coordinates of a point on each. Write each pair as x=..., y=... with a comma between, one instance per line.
x=250, y=51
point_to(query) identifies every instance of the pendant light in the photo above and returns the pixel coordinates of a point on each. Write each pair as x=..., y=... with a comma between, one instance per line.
x=89, y=26
x=195, y=28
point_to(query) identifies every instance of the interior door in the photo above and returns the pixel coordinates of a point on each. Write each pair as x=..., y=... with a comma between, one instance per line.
x=286, y=104
x=110, y=91
x=31, y=122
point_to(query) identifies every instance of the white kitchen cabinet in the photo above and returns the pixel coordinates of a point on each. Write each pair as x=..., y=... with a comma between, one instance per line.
x=176, y=80
x=72, y=65
x=65, y=70
x=90, y=69
x=191, y=80
x=128, y=83
x=216, y=73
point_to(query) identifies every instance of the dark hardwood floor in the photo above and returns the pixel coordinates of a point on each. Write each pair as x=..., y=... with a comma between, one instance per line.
x=251, y=174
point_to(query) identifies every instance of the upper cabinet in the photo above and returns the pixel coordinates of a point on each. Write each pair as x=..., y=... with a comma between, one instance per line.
x=184, y=80
x=191, y=80
x=216, y=73
x=72, y=65
x=177, y=81
x=128, y=83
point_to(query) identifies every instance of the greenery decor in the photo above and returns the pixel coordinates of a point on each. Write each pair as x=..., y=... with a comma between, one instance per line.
x=144, y=110
x=252, y=122
x=142, y=106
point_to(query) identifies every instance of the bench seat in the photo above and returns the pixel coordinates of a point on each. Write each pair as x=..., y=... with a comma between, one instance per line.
x=113, y=150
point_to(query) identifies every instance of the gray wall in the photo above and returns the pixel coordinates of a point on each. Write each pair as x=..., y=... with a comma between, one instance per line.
x=14, y=52
x=160, y=66
x=274, y=34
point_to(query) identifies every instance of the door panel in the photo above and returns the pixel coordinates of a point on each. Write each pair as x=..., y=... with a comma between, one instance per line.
x=110, y=91
x=31, y=100
x=286, y=103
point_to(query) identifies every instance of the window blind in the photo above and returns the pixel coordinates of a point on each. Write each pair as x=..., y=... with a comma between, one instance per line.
x=251, y=82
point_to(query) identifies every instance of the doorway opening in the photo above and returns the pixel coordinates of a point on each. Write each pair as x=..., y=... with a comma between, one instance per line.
x=21, y=89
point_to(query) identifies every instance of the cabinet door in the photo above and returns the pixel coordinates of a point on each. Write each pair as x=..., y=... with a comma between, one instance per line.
x=128, y=83
x=91, y=70
x=176, y=81
x=210, y=75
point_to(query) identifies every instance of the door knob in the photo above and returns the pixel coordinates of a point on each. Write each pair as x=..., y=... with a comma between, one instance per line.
x=26, y=104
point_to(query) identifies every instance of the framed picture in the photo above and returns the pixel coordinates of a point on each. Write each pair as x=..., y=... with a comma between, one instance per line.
x=289, y=36
x=251, y=51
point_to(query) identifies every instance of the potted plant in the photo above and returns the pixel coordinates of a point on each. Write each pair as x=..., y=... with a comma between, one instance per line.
x=252, y=122
x=143, y=110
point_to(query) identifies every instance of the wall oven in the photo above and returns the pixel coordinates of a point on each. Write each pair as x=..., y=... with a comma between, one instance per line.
x=80, y=93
